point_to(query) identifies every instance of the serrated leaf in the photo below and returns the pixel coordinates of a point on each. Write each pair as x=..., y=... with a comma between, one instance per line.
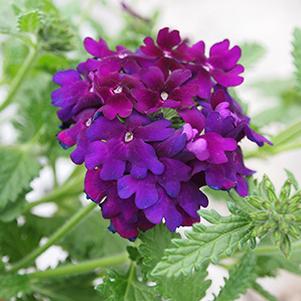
x=17, y=168
x=188, y=288
x=203, y=244
x=13, y=285
x=296, y=53
x=118, y=287
x=154, y=242
x=241, y=277
x=30, y=21
x=252, y=52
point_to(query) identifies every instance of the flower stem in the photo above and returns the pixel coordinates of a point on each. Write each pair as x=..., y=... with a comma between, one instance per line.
x=71, y=188
x=20, y=76
x=82, y=267
x=59, y=234
x=290, y=133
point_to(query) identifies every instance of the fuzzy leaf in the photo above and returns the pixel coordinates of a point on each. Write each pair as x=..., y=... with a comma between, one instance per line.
x=203, y=244
x=154, y=242
x=252, y=52
x=30, y=21
x=188, y=288
x=241, y=277
x=17, y=168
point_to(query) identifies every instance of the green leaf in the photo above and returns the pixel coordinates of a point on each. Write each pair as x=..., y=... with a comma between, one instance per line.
x=17, y=168
x=13, y=285
x=51, y=62
x=268, y=266
x=241, y=277
x=280, y=113
x=13, y=209
x=92, y=239
x=118, y=287
x=203, y=244
x=297, y=55
x=16, y=241
x=76, y=288
x=30, y=21
x=188, y=288
x=292, y=179
x=252, y=52
x=154, y=242
x=274, y=87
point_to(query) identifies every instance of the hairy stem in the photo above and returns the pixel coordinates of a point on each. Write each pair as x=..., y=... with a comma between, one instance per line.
x=82, y=267
x=55, y=237
x=20, y=76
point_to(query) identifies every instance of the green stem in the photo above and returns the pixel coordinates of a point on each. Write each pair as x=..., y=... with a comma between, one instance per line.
x=71, y=188
x=20, y=76
x=59, y=234
x=288, y=134
x=82, y=267
x=132, y=272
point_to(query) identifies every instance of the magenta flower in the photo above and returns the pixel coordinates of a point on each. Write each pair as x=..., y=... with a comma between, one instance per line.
x=169, y=45
x=153, y=127
x=174, y=92
x=114, y=144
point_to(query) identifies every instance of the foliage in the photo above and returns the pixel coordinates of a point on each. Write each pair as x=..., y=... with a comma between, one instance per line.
x=39, y=38
x=241, y=277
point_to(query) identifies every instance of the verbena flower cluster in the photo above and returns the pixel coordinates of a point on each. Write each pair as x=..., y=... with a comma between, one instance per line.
x=154, y=126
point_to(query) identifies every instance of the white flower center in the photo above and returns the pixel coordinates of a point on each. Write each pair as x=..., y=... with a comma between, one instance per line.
x=128, y=136
x=89, y=122
x=167, y=54
x=122, y=55
x=117, y=90
x=164, y=95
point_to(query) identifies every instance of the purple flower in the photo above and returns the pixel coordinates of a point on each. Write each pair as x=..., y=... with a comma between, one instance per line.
x=153, y=127
x=212, y=147
x=114, y=89
x=73, y=96
x=114, y=144
x=126, y=218
x=169, y=45
x=226, y=117
x=174, y=92
x=227, y=175
x=222, y=63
